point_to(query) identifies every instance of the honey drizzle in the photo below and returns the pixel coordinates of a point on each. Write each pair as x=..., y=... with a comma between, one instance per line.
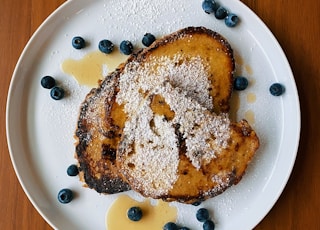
x=93, y=66
x=251, y=98
x=153, y=216
x=250, y=117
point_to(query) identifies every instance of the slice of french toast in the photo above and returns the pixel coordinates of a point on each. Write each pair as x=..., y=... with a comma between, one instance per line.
x=195, y=59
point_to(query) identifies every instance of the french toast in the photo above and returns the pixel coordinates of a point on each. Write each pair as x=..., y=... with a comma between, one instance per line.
x=101, y=119
x=195, y=60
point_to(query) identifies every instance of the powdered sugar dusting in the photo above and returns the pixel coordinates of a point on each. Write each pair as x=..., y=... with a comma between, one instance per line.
x=189, y=75
x=184, y=84
x=222, y=181
x=143, y=16
x=204, y=132
x=152, y=163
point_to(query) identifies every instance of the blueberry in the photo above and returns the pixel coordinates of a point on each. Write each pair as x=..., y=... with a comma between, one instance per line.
x=72, y=170
x=170, y=226
x=184, y=228
x=57, y=93
x=65, y=196
x=78, y=42
x=148, y=39
x=221, y=13
x=48, y=82
x=240, y=83
x=231, y=20
x=134, y=213
x=208, y=225
x=276, y=89
x=202, y=214
x=126, y=47
x=106, y=46
x=209, y=6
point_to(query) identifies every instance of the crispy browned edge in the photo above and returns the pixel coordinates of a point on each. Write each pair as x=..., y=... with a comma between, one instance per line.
x=110, y=182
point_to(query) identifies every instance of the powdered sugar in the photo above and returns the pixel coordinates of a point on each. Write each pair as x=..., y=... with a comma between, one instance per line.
x=141, y=16
x=222, y=181
x=204, y=132
x=184, y=85
x=151, y=161
x=190, y=76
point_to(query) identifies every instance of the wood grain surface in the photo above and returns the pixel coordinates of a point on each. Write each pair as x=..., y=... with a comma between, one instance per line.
x=296, y=26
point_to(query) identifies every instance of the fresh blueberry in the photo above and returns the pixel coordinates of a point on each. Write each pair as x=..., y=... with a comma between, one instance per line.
x=72, y=170
x=134, y=213
x=209, y=6
x=148, y=39
x=48, y=82
x=276, y=89
x=170, y=226
x=65, y=196
x=240, y=83
x=106, y=46
x=202, y=214
x=208, y=225
x=126, y=47
x=78, y=42
x=184, y=228
x=221, y=13
x=231, y=20
x=57, y=93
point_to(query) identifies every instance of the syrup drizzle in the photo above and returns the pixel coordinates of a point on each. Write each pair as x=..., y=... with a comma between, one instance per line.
x=153, y=216
x=93, y=66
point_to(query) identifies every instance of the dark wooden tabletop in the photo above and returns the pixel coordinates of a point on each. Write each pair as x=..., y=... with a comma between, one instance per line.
x=296, y=26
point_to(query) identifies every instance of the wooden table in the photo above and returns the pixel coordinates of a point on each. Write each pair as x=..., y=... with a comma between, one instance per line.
x=296, y=26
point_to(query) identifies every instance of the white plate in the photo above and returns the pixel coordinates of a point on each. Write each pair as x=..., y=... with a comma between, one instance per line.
x=40, y=130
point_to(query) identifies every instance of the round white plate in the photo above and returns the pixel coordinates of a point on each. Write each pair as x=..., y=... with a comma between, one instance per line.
x=40, y=130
